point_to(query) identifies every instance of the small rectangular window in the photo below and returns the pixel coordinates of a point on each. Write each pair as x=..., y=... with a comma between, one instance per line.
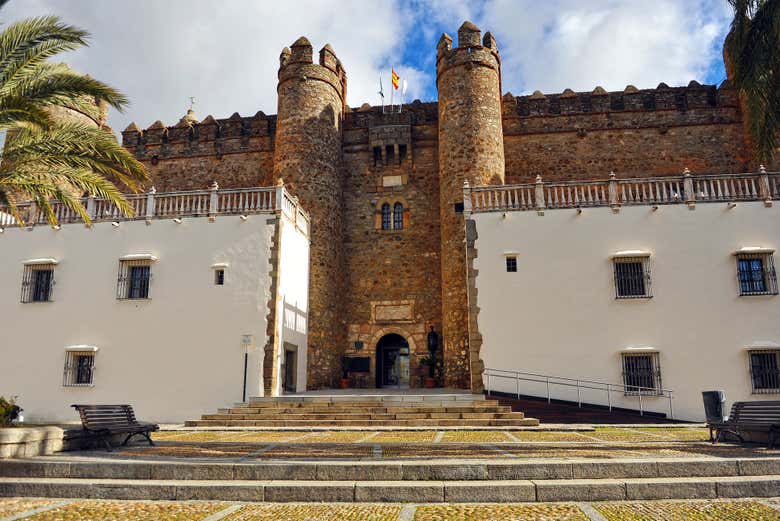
x=511, y=264
x=401, y=152
x=641, y=373
x=756, y=274
x=134, y=278
x=765, y=371
x=79, y=369
x=37, y=283
x=219, y=277
x=389, y=154
x=377, y=156
x=632, y=277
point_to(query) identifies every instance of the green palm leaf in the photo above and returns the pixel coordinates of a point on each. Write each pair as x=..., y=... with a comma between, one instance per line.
x=48, y=155
x=752, y=52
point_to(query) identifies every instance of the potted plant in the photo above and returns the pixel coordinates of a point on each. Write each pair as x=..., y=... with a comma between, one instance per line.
x=429, y=382
x=9, y=411
x=344, y=382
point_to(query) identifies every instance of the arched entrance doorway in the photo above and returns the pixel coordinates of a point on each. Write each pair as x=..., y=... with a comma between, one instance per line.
x=392, y=362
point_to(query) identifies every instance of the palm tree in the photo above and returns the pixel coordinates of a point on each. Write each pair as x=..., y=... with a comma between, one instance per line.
x=45, y=157
x=752, y=53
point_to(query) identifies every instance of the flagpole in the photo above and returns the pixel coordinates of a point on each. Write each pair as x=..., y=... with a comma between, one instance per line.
x=392, y=90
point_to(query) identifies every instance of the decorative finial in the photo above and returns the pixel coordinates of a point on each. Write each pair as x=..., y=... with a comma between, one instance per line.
x=686, y=171
x=214, y=186
x=611, y=174
x=192, y=102
x=761, y=169
x=280, y=181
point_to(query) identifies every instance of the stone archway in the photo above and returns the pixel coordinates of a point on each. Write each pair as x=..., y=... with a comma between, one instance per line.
x=392, y=362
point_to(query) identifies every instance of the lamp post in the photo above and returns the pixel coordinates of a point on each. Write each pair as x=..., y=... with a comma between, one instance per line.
x=246, y=343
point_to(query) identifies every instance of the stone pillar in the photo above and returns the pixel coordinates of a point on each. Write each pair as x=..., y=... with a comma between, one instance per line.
x=307, y=154
x=471, y=149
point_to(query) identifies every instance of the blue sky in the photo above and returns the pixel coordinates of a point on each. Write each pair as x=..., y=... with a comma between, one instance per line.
x=225, y=54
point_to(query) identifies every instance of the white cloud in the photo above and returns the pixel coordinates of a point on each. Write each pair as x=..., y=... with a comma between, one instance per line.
x=579, y=44
x=226, y=53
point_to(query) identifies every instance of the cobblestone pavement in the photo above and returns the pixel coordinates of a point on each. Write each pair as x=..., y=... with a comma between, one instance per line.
x=684, y=510
x=599, y=434
x=371, y=446
x=688, y=511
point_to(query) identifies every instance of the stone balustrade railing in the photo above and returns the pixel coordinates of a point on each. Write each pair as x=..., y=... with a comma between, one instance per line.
x=685, y=189
x=173, y=205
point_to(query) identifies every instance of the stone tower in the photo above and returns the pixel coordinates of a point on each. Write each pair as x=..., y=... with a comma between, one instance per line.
x=471, y=148
x=307, y=157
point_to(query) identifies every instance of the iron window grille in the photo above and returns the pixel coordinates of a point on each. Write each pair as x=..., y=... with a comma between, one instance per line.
x=642, y=374
x=37, y=283
x=765, y=371
x=632, y=277
x=398, y=216
x=386, y=217
x=511, y=264
x=79, y=369
x=134, y=279
x=756, y=274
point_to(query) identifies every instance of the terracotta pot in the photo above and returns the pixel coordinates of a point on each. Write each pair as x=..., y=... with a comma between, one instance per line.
x=429, y=382
x=344, y=383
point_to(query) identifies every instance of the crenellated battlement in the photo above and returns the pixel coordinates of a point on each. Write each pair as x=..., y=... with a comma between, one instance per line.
x=188, y=137
x=472, y=50
x=663, y=97
x=297, y=64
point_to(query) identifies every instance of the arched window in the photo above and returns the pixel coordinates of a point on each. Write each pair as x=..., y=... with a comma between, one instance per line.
x=398, y=216
x=386, y=222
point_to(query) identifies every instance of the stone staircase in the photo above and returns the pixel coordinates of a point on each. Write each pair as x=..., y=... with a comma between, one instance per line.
x=367, y=410
x=420, y=481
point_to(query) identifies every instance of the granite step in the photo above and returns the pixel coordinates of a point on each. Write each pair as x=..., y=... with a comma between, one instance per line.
x=396, y=491
x=282, y=421
x=495, y=469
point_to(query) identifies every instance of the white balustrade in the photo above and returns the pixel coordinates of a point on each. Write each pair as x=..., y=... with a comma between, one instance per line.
x=687, y=188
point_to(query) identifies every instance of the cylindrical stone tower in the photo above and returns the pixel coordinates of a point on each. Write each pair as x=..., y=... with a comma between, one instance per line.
x=471, y=148
x=307, y=156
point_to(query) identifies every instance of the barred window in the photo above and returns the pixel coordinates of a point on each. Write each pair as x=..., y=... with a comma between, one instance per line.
x=632, y=277
x=765, y=371
x=79, y=369
x=511, y=264
x=38, y=282
x=756, y=274
x=386, y=217
x=134, y=278
x=641, y=373
x=398, y=216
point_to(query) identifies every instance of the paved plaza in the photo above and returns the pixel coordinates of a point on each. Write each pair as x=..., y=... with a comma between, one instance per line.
x=111, y=510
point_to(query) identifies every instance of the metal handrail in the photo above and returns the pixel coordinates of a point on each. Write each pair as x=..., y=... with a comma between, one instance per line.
x=580, y=384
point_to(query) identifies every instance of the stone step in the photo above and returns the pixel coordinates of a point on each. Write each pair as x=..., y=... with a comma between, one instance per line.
x=396, y=491
x=366, y=416
x=364, y=403
x=408, y=396
x=370, y=410
x=282, y=422
x=412, y=470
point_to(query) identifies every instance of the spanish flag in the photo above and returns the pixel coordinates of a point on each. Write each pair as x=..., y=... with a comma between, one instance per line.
x=395, y=79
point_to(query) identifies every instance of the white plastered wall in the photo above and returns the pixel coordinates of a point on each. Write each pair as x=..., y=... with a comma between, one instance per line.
x=174, y=356
x=293, y=299
x=558, y=314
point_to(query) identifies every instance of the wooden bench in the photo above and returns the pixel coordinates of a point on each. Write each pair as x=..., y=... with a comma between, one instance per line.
x=103, y=421
x=760, y=416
